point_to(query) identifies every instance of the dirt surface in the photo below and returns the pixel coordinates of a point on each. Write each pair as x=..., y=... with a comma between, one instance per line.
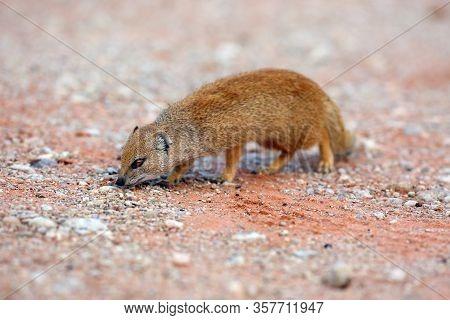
x=376, y=228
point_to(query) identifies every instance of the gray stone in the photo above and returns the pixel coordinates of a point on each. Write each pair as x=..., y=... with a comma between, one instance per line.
x=43, y=163
x=338, y=276
x=235, y=260
x=46, y=207
x=22, y=167
x=41, y=222
x=410, y=203
x=378, y=214
x=12, y=221
x=303, y=254
x=111, y=170
x=395, y=202
x=85, y=225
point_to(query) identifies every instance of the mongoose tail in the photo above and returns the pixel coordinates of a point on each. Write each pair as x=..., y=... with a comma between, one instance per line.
x=342, y=140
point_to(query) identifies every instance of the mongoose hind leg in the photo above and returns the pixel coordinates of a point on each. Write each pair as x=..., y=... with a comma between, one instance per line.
x=326, y=163
x=232, y=160
x=179, y=171
x=278, y=163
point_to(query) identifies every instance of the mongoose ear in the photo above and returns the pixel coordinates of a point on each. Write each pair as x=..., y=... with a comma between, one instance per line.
x=163, y=142
x=135, y=128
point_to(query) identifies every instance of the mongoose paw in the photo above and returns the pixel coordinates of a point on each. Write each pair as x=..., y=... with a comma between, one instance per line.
x=174, y=178
x=325, y=166
x=226, y=177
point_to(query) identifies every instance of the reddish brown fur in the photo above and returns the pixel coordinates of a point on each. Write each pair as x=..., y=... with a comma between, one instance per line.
x=279, y=109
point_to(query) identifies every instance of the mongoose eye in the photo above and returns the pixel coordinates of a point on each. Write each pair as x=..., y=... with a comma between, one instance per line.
x=137, y=163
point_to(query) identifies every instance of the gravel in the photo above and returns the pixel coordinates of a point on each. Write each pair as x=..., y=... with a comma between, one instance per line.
x=80, y=118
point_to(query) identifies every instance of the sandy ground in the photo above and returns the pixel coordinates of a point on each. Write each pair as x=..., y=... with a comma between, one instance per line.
x=379, y=223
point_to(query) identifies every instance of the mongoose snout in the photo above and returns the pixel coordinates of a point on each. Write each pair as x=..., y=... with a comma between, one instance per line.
x=279, y=109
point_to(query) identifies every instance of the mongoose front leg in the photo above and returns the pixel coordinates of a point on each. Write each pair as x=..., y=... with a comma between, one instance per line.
x=278, y=163
x=179, y=171
x=232, y=160
x=326, y=163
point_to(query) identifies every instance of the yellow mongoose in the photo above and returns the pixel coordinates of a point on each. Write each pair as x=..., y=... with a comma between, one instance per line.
x=278, y=109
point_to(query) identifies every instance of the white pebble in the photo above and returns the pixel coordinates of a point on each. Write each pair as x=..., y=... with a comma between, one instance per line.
x=174, y=224
x=41, y=222
x=338, y=276
x=105, y=189
x=85, y=225
x=46, y=207
x=22, y=167
x=249, y=236
x=180, y=259
x=410, y=203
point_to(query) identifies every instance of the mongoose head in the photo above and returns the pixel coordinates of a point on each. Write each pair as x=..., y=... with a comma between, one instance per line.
x=145, y=156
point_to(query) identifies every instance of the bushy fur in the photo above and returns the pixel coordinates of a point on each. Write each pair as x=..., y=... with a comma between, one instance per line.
x=278, y=109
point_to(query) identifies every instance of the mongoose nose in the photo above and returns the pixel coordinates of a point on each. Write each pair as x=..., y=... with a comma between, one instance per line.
x=120, y=181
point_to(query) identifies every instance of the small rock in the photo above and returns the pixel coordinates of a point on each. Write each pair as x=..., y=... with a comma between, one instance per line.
x=22, y=167
x=447, y=199
x=41, y=222
x=444, y=179
x=303, y=254
x=411, y=194
x=412, y=130
x=180, y=259
x=429, y=195
x=235, y=260
x=410, y=203
x=85, y=225
x=237, y=289
x=46, y=207
x=174, y=224
x=396, y=275
x=401, y=187
x=363, y=193
x=12, y=221
x=283, y=233
x=344, y=178
x=338, y=276
x=111, y=170
x=43, y=163
x=106, y=189
x=88, y=132
x=395, y=202
x=283, y=223
x=226, y=52
x=26, y=214
x=378, y=214
x=249, y=236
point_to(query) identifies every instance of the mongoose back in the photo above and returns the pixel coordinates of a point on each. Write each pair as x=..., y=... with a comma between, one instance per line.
x=279, y=109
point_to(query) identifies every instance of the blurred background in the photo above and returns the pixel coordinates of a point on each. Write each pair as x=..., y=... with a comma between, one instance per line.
x=55, y=104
